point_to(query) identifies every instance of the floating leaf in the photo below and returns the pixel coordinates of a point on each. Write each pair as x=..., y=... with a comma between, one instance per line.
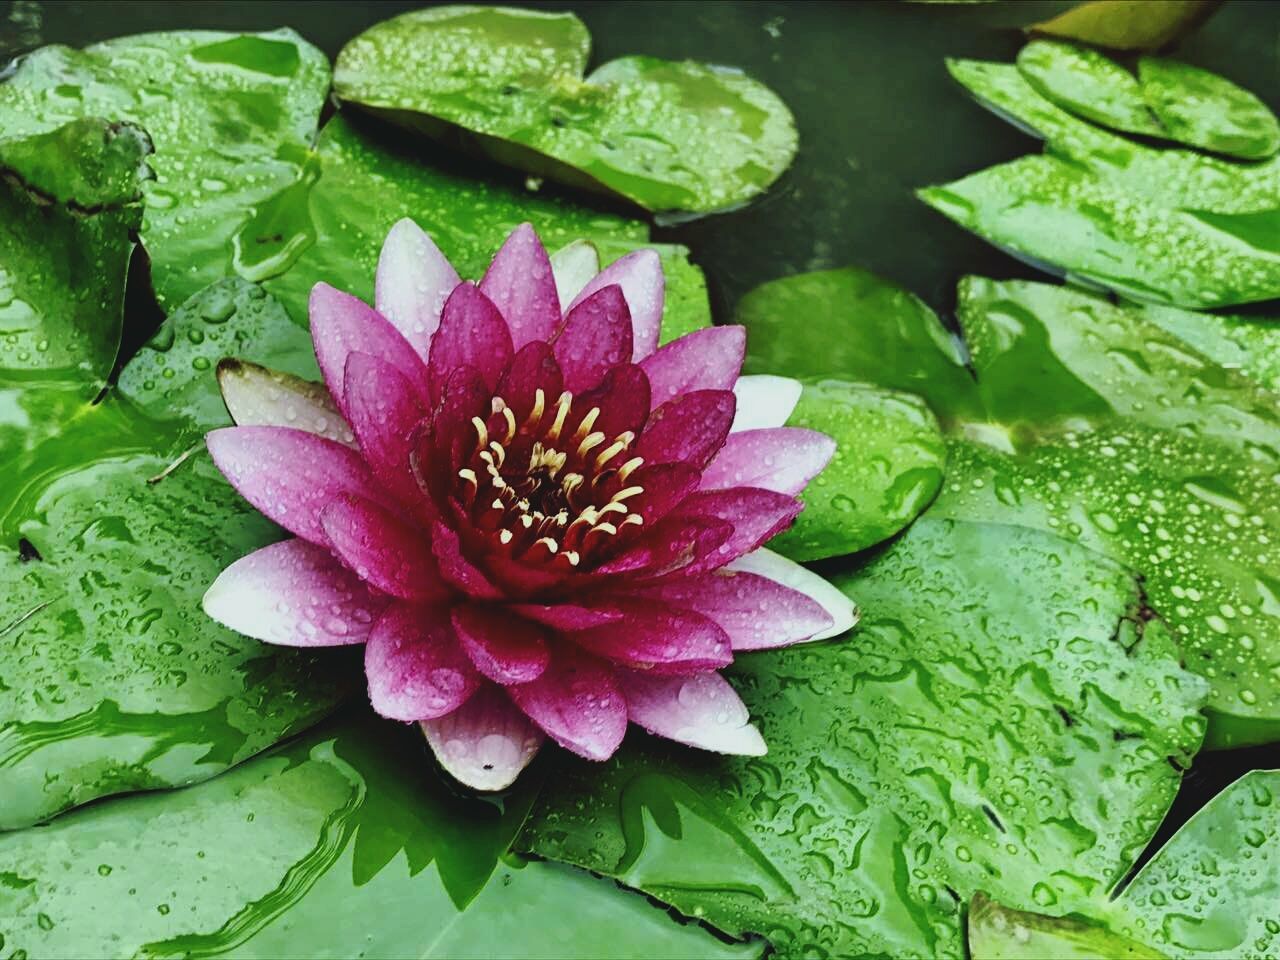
x=1129, y=24
x=999, y=933
x=345, y=842
x=1088, y=84
x=231, y=116
x=1205, y=110
x=1248, y=344
x=335, y=229
x=65, y=244
x=974, y=733
x=509, y=84
x=1160, y=226
x=1100, y=426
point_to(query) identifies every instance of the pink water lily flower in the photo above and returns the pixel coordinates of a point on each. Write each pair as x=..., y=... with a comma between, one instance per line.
x=537, y=521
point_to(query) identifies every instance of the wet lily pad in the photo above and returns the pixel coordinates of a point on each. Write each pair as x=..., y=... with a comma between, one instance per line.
x=1210, y=891
x=231, y=116
x=1102, y=427
x=508, y=83
x=1168, y=226
x=1089, y=84
x=1248, y=344
x=344, y=842
x=1208, y=111
x=973, y=733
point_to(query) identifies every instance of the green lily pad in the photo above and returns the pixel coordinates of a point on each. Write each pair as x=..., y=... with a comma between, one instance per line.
x=1248, y=344
x=331, y=227
x=1100, y=426
x=1089, y=84
x=345, y=842
x=1208, y=111
x=887, y=468
x=113, y=526
x=998, y=933
x=1167, y=226
x=1210, y=892
x=1129, y=24
x=231, y=116
x=65, y=246
x=977, y=731
x=508, y=83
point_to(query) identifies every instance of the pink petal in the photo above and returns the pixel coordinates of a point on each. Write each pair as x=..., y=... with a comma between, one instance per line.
x=622, y=398
x=456, y=569
x=260, y=397
x=764, y=401
x=701, y=711
x=675, y=543
x=415, y=667
x=773, y=566
x=756, y=516
x=533, y=368
x=290, y=475
x=665, y=486
x=595, y=338
x=573, y=266
x=521, y=284
x=783, y=459
x=505, y=648
x=577, y=702
x=486, y=742
x=653, y=636
x=295, y=594
x=383, y=548
x=414, y=278
x=703, y=360
x=755, y=612
x=690, y=428
x=643, y=285
x=568, y=616
x=341, y=323
x=472, y=333
x=384, y=411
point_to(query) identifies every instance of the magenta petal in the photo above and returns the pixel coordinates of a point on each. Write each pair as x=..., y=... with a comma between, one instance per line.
x=690, y=428
x=595, y=338
x=384, y=411
x=533, y=368
x=415, y=667
x=577, y=702
x=701, y=711
x=622, y=399
x=520, y=282
x=295, y=594
x=674, y=544
x=472, y=334
x=505, y=648
x=290, y=475
x=341, y=323
x=654, y=636
x=665, y=486
x=754, y=611
x=414, y=278
x=782, y=459
x=568, y=616
x=643, y=285
x=383, y=548
x=703, y=360
x=486, y=742
x=456, y=569
x=756, y=516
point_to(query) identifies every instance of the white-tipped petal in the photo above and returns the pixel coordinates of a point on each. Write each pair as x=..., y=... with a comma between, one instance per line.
x=764, y=401
x=257, y=396
x=573, y=267
x=701, y=711
x=844, y=612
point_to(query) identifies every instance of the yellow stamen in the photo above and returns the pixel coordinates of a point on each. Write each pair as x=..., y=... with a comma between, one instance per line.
x=481, y=430
x=539, y=404
x=562, y=411
x=587, y=423
x=592, y=441
x=629, y=467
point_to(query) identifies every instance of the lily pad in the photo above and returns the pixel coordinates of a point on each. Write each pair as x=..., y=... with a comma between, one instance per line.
x=1208, y=111
x=1129, y=24
x=1211, y=891
x=1102, y=427
x=1163, y=226
x=332, y=226
x=508, y=83
x=976, y=732
x=231, y=116
x=344, y=842
x=1089, y=84
x=1248, y=344
x=65, y=246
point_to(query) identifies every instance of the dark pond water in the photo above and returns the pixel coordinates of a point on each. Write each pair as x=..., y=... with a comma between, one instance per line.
x=877, y=112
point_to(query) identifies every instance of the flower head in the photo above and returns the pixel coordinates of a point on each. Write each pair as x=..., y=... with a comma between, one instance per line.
x=536, y=520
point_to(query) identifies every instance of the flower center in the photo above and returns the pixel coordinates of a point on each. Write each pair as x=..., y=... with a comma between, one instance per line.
x=548, y=487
